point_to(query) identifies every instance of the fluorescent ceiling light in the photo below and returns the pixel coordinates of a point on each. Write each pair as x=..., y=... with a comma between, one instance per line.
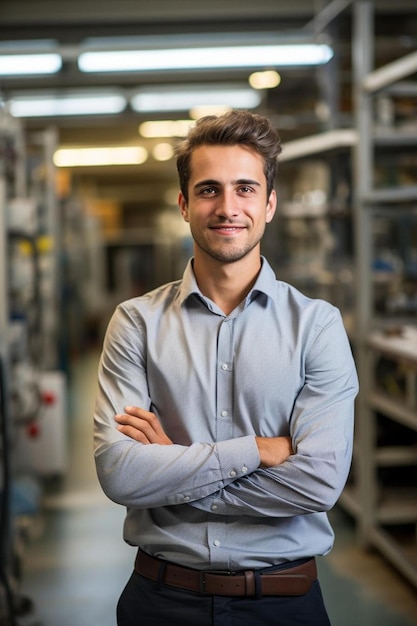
x=101, y=156
x=165, y=128
x=177, y=98
x=163, y=152
x=264, y=80
x=29, y=64
x=76, y=104
x=209, y=109
x=191, y=58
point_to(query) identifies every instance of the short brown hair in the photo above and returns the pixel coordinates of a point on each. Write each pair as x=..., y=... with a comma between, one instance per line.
x=232, y=128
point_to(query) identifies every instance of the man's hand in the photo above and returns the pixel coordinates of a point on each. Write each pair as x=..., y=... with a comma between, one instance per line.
x=142, y=426
x=274, y=450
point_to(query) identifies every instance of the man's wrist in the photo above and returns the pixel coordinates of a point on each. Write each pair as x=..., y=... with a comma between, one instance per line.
x=273, y=450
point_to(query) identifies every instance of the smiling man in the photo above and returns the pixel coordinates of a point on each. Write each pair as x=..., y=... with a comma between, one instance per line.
x=227, y=205
x=224, y=416
x=227, y=211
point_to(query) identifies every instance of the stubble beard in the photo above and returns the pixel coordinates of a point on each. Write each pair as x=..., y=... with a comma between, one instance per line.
x=226, y=253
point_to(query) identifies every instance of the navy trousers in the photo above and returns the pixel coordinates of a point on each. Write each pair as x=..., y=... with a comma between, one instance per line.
x=147, y=603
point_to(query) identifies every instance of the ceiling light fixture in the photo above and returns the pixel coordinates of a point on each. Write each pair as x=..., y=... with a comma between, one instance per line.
x=215, y=57
x=184, y=99
x=209, y=109
x=100, y=156
x=29, y=64
x=264, y=80
x=74, y=104
x=165, y=128
x=163, y=152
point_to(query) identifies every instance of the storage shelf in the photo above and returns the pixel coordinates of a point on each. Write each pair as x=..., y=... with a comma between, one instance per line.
x=392, y=408
x=317, y=144
x=396, y=137
x=397, y=506
x=391, y=195
x=396, y=456
x=390, y=73
x=378, y=506
x=396, y=347
x=404, y=560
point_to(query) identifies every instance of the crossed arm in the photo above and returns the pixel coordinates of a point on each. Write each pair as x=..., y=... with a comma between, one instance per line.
x=252, y=475
x=144, y=427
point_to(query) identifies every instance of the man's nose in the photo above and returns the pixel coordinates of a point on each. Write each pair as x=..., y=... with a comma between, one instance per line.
x=227, y=205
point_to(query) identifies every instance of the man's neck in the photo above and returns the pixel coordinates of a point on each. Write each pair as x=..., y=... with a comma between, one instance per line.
x=226, y=284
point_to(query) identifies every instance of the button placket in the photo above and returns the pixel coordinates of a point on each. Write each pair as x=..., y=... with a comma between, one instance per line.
x=224, y=398
x=217, y=530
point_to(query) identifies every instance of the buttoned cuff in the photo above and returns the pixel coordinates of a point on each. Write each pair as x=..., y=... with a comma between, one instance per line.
x=237, y=457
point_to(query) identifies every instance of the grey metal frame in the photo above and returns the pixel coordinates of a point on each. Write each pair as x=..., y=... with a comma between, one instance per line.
x=372, y=512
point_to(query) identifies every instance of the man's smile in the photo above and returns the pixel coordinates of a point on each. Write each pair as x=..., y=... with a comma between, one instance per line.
x=225, y=229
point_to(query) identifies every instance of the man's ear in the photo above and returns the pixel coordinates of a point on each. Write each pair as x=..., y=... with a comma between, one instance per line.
x=182, y=203
x=271, y=206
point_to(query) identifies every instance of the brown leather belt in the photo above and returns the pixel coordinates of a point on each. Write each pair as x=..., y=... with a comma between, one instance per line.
x=292, y=581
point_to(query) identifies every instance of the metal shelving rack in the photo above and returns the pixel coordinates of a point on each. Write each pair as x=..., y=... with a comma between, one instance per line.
x=314, y=229
x=379, y=510
x=375, y=508
x=29, y=332
x=11, y=184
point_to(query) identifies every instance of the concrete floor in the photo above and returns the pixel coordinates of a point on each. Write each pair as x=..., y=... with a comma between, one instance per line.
x=76, y=563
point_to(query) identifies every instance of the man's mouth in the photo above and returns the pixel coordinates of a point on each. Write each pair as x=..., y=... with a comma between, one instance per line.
x=228, y=229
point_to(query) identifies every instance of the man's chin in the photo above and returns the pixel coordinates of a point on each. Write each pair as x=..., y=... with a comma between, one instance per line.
x=227, y=256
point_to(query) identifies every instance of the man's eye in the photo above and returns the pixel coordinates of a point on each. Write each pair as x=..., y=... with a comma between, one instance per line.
x=245, y=189
x=207, y=190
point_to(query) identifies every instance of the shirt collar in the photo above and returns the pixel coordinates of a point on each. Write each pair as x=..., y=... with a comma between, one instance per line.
x=265, y=283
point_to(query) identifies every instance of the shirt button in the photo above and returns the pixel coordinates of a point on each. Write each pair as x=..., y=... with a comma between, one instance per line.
x=186, y=498
x=232, y=473
x=224, y=366
x=214, y=507
x=216, y=543
x=224, y=413
x=244, y=469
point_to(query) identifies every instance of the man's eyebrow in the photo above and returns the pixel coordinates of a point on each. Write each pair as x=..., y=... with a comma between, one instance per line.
x=203, y=183
x=240, y=181
x=246, y=181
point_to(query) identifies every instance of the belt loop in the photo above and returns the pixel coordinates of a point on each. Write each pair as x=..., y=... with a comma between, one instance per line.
x=250, y=584
x=258, y=585
x=161, y=573
x=202, y=582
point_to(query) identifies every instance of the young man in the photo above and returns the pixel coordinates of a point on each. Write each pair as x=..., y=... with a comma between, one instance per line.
x=224, y=415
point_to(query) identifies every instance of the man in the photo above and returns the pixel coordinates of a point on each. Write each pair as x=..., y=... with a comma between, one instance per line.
x=224, y=414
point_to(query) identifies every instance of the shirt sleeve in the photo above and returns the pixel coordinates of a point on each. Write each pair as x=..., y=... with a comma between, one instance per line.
x=321, y=427
x=148, y=476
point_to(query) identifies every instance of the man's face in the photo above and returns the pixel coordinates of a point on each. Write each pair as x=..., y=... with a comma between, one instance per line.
x=228, y=206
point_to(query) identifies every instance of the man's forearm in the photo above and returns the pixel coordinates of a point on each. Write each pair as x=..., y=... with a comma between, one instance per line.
x=144, y=426
x=140, y=466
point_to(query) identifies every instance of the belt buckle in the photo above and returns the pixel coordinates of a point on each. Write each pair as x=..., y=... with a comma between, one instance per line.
x=202, y=577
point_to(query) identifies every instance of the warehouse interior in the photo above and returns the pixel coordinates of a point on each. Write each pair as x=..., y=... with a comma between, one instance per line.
x=78, y=236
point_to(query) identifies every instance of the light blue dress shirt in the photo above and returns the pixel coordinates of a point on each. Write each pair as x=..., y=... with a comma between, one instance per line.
x=279, y=364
